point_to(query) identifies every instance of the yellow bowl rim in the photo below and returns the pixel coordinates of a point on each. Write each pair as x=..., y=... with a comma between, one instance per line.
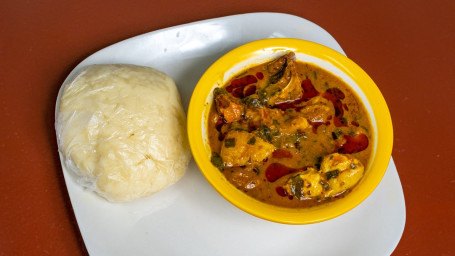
x=262, y=210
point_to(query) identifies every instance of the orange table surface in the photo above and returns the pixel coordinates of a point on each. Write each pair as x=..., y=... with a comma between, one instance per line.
x=407, y=47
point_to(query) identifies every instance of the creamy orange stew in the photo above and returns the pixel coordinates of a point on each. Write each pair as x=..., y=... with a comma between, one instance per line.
x=289, y=133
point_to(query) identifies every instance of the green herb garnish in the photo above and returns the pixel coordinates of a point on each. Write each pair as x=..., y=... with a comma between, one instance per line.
x=252, y=102
x=265, y=133
x=252, y=141
x=325, y=185
x=219, y=91
x=217, y=161
x=331, y=174
x=297, y=187
x=229, y=143
x=338, y=132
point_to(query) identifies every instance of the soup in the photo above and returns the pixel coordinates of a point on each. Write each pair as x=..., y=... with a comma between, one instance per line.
x=289, y=133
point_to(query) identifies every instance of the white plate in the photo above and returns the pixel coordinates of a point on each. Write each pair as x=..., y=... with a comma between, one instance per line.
x=191, y=218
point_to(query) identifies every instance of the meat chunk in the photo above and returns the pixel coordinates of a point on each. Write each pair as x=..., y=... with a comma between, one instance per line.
x=277, y=65
x=316, y=110
x=298, y=123
x=342, y=172
x=228, y=108
x=338, y=173
x=285, y=84
x=305, y=185
x=245, y=178
x=240, y=148
x=268, y=115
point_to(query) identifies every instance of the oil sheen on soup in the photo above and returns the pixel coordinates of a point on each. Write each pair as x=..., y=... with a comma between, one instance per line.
x=289, y=133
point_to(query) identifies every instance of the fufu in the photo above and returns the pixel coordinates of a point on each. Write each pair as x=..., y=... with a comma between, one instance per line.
x=121, y=129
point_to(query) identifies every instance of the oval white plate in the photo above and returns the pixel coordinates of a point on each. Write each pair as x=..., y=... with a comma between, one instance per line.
x=191, y=218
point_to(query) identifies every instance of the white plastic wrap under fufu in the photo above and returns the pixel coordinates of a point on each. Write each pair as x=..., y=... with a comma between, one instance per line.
x=122, y=130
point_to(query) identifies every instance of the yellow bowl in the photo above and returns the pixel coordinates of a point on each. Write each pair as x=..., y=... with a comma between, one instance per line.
x=261, y=51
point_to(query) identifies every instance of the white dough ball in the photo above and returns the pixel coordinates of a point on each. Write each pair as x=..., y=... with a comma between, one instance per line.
x=122, y=130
